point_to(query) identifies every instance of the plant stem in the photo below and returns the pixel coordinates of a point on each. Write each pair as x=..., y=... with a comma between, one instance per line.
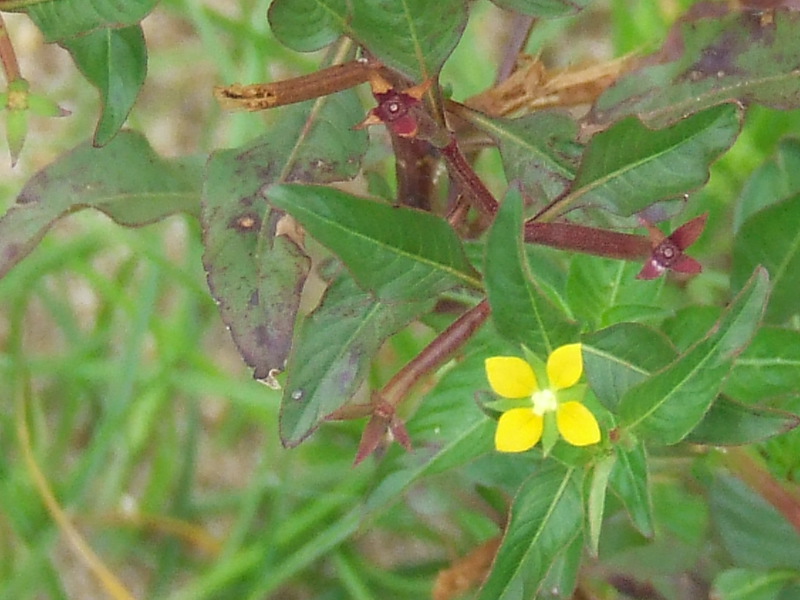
x=434, y=354
x=472, y=186
x=589, y=240
x=261, y=96
x=7, y=55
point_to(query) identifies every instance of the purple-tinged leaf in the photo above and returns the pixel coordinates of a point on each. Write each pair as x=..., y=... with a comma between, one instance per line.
x=332, y=353
x=125, y=179
x=255, y=267
x=747, y=57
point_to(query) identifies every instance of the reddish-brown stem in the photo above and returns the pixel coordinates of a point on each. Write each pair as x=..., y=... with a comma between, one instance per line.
x=473, y=188
x=7, y=55
x=434, y=354
x=755, y=475
x=589, y=240
x=326, y=81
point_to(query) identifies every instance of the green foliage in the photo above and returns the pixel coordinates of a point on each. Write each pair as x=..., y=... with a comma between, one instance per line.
x=115, y=62
x=520, y=310
x=375, y=317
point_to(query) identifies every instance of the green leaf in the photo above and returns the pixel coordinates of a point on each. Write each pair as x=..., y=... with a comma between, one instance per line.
x=543, y=8
x=332, y=352
x=740, y=56
x=562, y=579
x=689, y=324
x=308, y=25
x=753, y=532
x=126, y=180
x=115, y=62
x=540, y=151
x=397, y=253
x=448, y=429
x=545, y=520
x=254, y=271
x=63, y=19
x=773, y=182
x=750, y=584
x=602, y=289
x=668, y=405
x=730, y=423
x=414, y=37
x=630, y=481
x=598, y=484
x=520, y=310
x=768, y=239
x=629, y=167
x=769, y=367
x=623, y=355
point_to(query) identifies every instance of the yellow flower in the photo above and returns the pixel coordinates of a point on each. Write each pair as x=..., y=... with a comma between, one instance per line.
x=520, y=429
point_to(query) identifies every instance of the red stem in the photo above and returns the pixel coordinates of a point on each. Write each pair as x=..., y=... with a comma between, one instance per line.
x=589, y=240
x=434, y=354
x=479, y=195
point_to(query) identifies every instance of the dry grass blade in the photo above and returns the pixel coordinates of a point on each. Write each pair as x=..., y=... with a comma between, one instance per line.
x=533, y=87
x=107, y=579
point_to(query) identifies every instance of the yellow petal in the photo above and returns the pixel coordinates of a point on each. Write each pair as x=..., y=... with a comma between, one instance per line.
x=510, y=377
x=577, y=424
x=518, y=430
x=565, y=366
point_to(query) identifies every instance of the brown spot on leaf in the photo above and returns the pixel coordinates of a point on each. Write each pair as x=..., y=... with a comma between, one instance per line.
x=255, y=300
x=246, y=222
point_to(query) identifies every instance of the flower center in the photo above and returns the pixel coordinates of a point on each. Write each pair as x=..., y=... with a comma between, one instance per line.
x=544, y=401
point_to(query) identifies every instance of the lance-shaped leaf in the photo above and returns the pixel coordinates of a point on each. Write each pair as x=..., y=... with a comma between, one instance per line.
x=541, y=150
x=332, y=352
x=667, y=406
x=520, y=310
x=397, y=253
x=600, y=289
x=773, y=182
x=771, y=238
x=731, y=423
x=62, y=19
x=414, y=37
x=596, y=501
x=255, y=269
x=546, y=517
x=115, y=62
x=630, y=481
x=543, y=8
x=768, y=368
x=629, y=167
x=621, y=356
x=749, y=56
x=126, y=180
